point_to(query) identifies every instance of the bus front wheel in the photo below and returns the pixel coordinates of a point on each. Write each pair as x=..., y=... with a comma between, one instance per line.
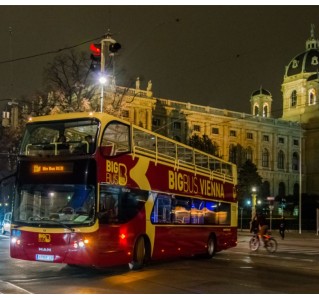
x=139, y=254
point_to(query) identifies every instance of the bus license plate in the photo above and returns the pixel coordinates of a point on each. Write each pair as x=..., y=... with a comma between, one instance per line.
x=44, y=257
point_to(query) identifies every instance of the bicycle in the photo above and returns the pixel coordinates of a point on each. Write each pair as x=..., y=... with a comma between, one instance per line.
x=270, y=243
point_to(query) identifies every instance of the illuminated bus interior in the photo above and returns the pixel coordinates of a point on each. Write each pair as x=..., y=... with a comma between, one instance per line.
x=67, y=137
x=170, y=209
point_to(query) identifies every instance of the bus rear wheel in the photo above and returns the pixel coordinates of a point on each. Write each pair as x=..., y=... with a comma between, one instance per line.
x=139, y=255
x=211, y=247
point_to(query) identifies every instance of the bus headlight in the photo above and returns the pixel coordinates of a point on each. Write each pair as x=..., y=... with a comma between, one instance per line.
x=80, y=243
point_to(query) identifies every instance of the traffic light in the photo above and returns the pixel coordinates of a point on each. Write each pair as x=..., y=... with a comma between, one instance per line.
x=95, y=57
x=114, y=47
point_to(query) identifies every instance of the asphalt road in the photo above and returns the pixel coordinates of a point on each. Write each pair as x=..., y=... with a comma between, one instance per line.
x=293, y=269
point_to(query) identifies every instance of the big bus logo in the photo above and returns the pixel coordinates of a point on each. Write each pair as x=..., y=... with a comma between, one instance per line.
x=190, y=184
x=116, y=173
x=44, y=238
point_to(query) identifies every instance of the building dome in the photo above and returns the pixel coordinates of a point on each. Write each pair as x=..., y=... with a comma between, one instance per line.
x=261, y=91
x=308, y=61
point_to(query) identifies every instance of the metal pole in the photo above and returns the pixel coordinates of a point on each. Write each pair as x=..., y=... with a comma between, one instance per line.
x=241, y=219
x=105, y=43
x=254, y=203
x=300, y=181
x=102, y=96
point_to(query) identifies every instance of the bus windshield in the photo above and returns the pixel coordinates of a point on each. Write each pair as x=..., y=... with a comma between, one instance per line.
x=52, y=203
x=67, y=137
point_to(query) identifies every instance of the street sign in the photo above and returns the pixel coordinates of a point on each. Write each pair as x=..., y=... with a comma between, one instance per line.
x=271, y=198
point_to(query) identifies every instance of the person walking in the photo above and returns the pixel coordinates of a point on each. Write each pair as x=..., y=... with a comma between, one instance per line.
x=282, y=228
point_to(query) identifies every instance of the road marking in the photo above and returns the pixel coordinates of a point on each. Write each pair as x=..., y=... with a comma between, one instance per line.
x=9, y=288
x=265, y=254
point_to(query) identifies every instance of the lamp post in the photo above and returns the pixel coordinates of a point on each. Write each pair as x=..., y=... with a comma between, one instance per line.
x=271, y=208
x=102, y=80
x=241, y=218
x=254, y=202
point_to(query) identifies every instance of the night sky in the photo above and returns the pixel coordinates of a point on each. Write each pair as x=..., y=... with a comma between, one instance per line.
x=208, y=55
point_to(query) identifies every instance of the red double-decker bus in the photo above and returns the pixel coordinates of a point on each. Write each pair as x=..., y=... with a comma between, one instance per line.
x=95, y=190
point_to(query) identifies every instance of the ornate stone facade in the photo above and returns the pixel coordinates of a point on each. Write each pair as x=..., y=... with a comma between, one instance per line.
x=272, y=144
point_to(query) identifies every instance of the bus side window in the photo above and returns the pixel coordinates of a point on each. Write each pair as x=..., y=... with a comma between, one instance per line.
x=108, y=212
x=116, y=139
x=162, y=211
x=181, y=206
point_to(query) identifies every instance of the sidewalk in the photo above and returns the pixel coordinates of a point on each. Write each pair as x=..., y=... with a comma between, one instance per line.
x=289, y=235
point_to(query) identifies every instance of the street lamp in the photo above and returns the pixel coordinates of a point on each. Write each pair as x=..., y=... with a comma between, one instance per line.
x=254, y=202
x=102, y=81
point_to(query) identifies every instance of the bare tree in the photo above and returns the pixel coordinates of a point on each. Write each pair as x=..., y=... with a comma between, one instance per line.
x=70, y=75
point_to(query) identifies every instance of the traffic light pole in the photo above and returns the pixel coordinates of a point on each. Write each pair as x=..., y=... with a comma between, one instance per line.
x=105, y=44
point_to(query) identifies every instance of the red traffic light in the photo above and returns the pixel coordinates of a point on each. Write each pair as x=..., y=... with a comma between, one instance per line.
x=95, y=49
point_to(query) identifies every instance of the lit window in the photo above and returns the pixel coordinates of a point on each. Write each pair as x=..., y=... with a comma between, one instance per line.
x=125, y=114
x=281, y=140
x=293, y=98
x=265, y=158
x=295, y=161
x=281, y=160
x=312, y=97
x=215, y=130
x=249, y=154
x=249, y=136
x=232, y=133
x=177, y=125
x=156, y=122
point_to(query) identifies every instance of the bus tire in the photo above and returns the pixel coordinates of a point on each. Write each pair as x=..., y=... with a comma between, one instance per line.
x=140, y=254
x=211, y=246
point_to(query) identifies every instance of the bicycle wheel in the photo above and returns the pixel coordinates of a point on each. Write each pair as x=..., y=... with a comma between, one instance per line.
x=271, y=245
x=254, y=243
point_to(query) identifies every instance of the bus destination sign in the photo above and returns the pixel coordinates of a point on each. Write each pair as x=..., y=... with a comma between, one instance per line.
x=51, y=168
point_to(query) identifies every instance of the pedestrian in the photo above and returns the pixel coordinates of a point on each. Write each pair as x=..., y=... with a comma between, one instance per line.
x=282, y=228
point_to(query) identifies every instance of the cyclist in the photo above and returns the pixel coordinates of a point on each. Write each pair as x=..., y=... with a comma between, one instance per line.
x=254, y=225
x=263, y=226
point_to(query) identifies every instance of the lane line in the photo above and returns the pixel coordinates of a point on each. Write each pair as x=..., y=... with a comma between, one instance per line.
x=9, y=288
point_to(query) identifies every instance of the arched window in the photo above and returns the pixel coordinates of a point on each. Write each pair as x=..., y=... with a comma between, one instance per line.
x=265, y=110
x=265, y=189
x=281, y=160
x=265, y=158
x=295, y=161
x=256, y=110
x=312, y=97
x=293, y=98
x=281, y=190
x=232, y=153
x=249, y=154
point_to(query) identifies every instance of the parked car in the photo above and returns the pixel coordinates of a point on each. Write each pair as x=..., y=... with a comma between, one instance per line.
x=6, y=223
